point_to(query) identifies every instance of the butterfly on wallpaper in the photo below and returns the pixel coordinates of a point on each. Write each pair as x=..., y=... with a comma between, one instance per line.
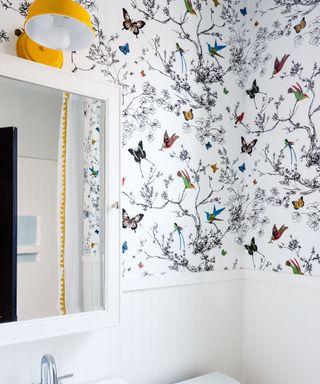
x=168, y=141
x=299, y=27
x=243, y=11
x=254, y=90
x=239, y=118
x=252, y=247
x=139, y=154
x=131, y=223
x=225, y=91
x=94, y=172
x=97, y=231
x=133, y=26
x=124, y=247
x=124, y=48
x=255, y=182
x=297, y=204
x=256, y=23
x=142, y=73
x=247, y=147
x=242, y=167
x=140, y=265
x=224, y=252
x=214, y=167
x=188, y=115
x=216, y=2
x=208, y=145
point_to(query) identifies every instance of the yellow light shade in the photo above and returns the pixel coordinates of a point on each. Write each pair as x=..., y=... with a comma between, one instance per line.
x=29, y=50
x=59, y=24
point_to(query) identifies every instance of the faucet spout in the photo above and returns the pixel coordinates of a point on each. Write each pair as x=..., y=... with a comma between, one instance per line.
x=48, y=370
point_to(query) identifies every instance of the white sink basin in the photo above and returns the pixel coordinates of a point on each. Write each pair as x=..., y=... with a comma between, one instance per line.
x=114, y=380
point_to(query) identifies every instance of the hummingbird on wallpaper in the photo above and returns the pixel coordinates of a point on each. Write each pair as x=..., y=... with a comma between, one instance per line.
x=298, y=92
x=213, y=50
x=239, y=119
x=294, y=265
x=186, y=179
x=189, y=7
x=183, y=60
x=277, y=233
x=179, y=229
x=290, y=144
x=211, y=217
x=168, y=141
x=278, y=65
x=94, y=172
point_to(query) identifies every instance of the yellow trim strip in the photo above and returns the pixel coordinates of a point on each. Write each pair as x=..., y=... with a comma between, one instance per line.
x=62, y=293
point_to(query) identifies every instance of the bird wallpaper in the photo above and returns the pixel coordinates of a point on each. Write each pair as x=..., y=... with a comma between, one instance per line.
x=220, y=125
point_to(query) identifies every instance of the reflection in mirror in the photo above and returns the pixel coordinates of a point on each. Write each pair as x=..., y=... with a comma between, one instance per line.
x=60, y=177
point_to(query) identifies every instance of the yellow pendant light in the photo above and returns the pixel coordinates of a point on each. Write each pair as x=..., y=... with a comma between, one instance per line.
x=59, y=24
x=29, y=50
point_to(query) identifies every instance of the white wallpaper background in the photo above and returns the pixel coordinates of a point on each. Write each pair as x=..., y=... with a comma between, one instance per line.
x=174, y=79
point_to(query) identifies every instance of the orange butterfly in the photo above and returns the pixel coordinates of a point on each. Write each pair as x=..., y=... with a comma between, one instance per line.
x=188, y=115
x=299, y=27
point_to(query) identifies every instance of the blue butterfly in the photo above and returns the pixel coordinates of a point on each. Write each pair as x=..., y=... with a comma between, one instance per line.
x=243, y=11
x=124, y=49
x=124, y=247
x=242, y=167
x=208, y=145
x=97, y=231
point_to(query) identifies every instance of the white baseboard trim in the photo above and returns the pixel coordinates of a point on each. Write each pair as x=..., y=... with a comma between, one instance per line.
x=141, y=283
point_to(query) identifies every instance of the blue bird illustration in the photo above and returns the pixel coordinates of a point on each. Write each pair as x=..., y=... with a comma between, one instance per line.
x=211, y=217
x=213, y=50
x=183, y=60
x=179, y=229
x=290, y=144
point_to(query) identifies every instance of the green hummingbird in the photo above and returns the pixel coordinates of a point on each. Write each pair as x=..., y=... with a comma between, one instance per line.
x=295, y=266
x=189, y=7
x=186, y=179
x=298, y=92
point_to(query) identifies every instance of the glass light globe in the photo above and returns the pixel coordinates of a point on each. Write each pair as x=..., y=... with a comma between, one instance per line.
x=45, y=21
x=59, y=38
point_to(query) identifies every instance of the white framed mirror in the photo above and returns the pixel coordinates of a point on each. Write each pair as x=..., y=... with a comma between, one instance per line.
x=60, y=141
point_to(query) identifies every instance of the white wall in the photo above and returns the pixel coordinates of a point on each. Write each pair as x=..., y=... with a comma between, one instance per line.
x=281, y=329
x=166, y=335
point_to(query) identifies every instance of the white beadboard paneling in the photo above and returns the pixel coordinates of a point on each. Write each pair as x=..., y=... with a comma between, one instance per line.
x=166, y=335
x=281, y=329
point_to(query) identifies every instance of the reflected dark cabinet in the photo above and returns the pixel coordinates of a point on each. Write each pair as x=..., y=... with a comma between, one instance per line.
x=8, y=224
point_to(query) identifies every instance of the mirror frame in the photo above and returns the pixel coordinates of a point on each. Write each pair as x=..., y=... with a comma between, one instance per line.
x=39, y=74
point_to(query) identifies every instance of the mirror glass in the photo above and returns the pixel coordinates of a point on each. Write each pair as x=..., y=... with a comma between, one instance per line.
x=52, y=262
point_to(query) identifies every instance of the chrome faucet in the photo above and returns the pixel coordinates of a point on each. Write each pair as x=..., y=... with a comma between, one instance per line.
x=49, y=371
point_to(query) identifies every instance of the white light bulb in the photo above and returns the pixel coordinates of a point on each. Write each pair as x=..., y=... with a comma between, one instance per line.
x=59, y=38
x=45, y=21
